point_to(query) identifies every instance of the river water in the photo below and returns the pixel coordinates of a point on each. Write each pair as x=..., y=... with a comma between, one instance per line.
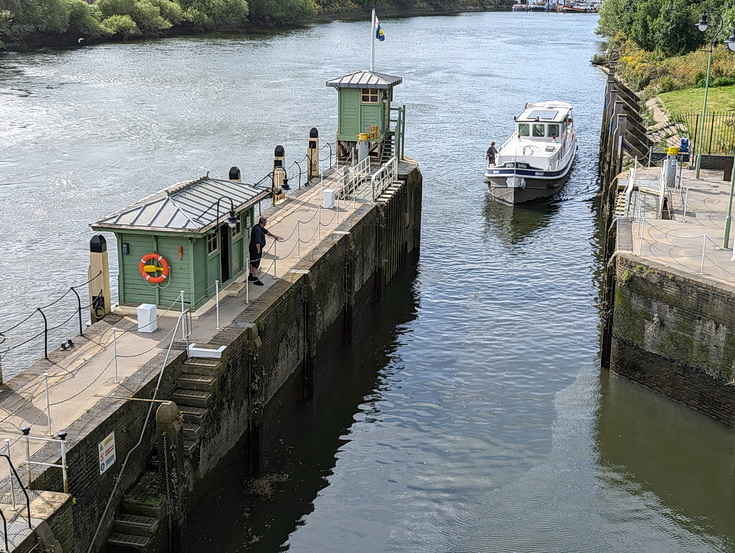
x=472, y=416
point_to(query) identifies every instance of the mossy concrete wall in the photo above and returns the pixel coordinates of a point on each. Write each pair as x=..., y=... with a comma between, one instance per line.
x=674, y=332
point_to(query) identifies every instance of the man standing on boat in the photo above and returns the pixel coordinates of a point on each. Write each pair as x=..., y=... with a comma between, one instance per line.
x=491, y=152
x=257, y=245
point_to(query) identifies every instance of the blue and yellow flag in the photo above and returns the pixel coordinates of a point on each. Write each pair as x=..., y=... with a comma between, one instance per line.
x=379, y=34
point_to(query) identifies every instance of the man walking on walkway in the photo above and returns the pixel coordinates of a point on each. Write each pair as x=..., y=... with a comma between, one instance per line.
x=257, y=245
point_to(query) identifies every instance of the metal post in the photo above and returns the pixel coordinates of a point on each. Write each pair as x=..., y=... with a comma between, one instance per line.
x=62, y=437
x=45, y=333
x=704, y=113
x=114, y=349
x=247, y=282
x=319, y=222
x=275, y=258
x=686, y=198
x=298, y=238
x=26, y=431
x=728, y=219
x=10, y=475
x=48, y=403
x=704, y=245
x=183, y=308
x=216, y=300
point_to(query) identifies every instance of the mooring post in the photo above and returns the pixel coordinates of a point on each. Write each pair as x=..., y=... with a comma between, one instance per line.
x=169, y=434
x=98, y=274
x=312, y=156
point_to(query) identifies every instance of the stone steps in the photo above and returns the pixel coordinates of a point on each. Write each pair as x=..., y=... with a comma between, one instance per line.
x=194, y=415
x=202, y=382
x=191, y=398
x=136, y=525
x=124, y=543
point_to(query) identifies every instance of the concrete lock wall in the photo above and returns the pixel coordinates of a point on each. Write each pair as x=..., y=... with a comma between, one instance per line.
x=674, y=334
x=268, y=366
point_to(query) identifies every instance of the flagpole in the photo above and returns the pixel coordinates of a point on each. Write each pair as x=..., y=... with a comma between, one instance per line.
x=372, y=42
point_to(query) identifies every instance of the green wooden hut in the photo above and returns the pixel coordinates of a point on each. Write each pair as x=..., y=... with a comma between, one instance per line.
x=364, y=108
x=183, y=238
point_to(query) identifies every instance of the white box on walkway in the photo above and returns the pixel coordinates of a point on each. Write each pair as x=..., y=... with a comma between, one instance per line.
x=328, y=198
x=147, y=317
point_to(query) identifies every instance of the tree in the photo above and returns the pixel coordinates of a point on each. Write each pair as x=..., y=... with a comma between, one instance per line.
x=122, y=25
x=281, y=11
x=215, y=14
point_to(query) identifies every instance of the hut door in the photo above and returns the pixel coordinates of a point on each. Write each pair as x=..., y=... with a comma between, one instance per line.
x=224, y=257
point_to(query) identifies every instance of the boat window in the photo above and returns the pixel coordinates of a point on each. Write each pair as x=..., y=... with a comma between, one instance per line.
x=553, y=130
x=523, y=129
x=538, y=129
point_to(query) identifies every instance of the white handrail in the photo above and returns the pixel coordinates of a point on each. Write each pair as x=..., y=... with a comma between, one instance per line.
x=353, y=177
x=384, y=177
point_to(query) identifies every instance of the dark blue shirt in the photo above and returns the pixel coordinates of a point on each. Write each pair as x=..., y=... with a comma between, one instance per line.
x=257, y=236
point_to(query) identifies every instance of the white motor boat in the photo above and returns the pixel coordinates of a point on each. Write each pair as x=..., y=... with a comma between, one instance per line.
x=535, y=161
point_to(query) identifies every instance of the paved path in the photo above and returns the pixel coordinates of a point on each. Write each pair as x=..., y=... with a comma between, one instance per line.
x=691, y=241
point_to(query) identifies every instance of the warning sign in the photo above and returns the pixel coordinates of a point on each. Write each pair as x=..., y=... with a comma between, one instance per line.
x=107, y=452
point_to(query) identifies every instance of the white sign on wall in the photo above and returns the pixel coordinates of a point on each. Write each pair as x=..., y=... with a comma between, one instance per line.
x=107, y=452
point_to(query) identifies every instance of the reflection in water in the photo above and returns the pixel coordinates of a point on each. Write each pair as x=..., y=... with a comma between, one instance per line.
x=266, y=509
x=514, y=224
x=681, y=464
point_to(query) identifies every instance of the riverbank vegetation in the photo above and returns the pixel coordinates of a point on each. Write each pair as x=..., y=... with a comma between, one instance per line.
x=659, y=48
x=29, y=23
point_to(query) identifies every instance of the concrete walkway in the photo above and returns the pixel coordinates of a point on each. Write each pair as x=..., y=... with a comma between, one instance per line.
x=100, y=361
x=692, y=241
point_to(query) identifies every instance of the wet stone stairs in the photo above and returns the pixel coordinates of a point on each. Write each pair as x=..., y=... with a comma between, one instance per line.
x=195, y=388
x=138, y=527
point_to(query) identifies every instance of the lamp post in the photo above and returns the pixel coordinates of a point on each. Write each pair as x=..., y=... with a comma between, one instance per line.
x=726, y=240
x=702, y=25
x=231, y=220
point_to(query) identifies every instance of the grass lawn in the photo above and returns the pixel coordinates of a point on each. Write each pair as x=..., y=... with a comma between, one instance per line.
x=720, y=99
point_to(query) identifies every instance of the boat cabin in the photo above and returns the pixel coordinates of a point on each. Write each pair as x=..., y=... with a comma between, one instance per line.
x=549, y=122
x=364, y=112
x=185, y=237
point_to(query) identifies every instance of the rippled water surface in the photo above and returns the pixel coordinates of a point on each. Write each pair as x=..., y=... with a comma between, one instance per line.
x=472, y=415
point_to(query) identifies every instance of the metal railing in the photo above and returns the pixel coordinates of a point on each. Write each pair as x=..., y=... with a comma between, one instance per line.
x=384, y=177
x=718, y=133
x=353, y=177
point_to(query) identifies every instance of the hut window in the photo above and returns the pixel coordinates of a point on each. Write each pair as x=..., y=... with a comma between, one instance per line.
x=523, y=129
x=212, y=243
x=369, y=95
x=237, y=231
x=538, y=130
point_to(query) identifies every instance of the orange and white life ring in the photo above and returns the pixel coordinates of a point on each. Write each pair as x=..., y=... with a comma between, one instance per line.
x=147, y=270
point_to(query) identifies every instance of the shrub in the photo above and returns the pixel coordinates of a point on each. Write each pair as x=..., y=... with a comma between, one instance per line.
x=122, y=25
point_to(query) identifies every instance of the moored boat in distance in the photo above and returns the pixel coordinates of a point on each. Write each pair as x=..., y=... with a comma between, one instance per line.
x=535, y=161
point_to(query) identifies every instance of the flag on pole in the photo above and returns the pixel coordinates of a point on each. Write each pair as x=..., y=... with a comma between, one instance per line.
x=379, y=34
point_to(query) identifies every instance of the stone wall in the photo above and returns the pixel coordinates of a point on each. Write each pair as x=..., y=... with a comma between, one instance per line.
x=674, y=333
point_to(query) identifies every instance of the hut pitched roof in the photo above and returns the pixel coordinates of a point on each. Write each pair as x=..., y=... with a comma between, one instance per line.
x=365, y=79
x=189, y=206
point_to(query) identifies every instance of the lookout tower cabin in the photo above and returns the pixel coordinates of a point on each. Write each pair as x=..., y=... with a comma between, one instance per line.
x=185, y=237
x=365, y=115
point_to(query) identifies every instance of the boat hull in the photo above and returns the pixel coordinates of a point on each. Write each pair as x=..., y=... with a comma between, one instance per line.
x=534, y=189
x=516, y=186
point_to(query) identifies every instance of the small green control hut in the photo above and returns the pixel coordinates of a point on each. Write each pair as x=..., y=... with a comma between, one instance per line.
x=183, y=238
x=364, y=108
